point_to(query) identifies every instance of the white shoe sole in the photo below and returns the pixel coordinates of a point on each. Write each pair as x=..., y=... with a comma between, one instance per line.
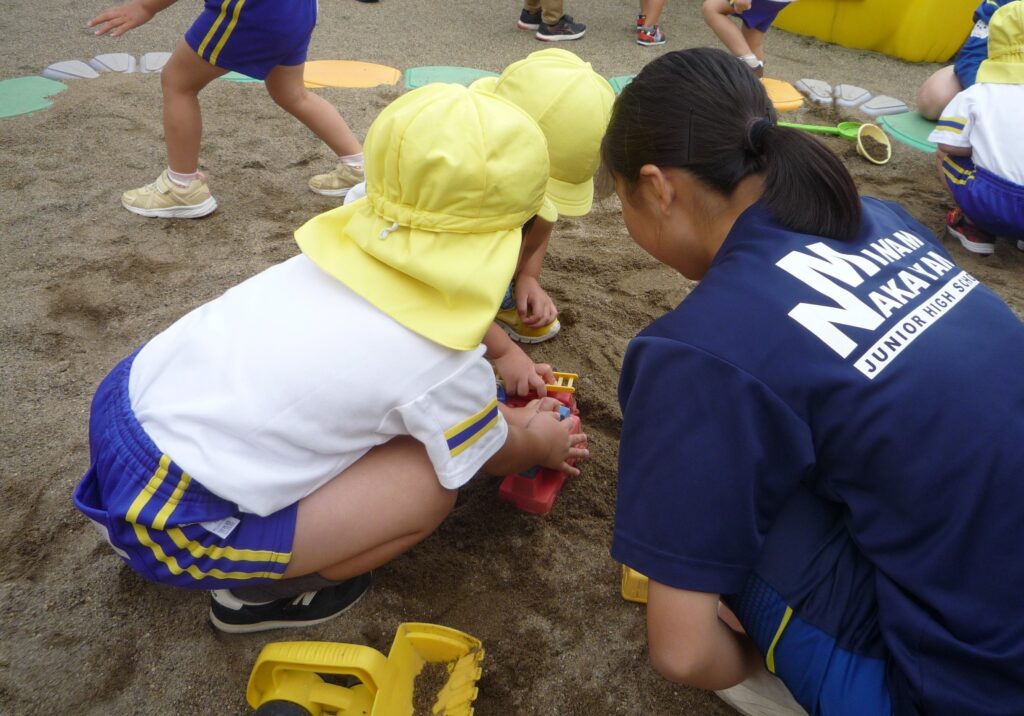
x=530, y=339
x=644, y=43
x=972, y=246
x=331, y=192
x=559, y=38
x=194, y=211
x=527, y=26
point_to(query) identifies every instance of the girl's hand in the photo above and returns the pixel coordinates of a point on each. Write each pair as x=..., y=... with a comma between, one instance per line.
x=534, y=305
x=521, y=375
x=119, y=20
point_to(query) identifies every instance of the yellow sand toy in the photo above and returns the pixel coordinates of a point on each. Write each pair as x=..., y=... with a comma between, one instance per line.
x=634, y=585
x=431, y=669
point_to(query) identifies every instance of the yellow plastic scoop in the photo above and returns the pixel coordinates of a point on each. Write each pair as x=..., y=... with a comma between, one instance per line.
x=429, y=669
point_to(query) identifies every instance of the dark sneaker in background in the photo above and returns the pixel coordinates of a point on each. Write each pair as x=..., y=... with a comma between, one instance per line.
x=528, y=20
x=232, y=615
x=564, y=29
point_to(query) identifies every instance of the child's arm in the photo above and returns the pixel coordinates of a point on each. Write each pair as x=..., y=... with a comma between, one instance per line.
x=122, y=18
x=689, y=643
x=955, y=151
x=534, y=305
x=519, y=374
x=536, y=436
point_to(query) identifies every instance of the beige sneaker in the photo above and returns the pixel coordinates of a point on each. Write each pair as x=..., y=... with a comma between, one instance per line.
x=166, y=200
x=338, y=182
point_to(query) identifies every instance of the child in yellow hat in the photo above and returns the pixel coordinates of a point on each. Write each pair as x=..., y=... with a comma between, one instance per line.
x=315, y=421
x=571, y=103
x=980, y=158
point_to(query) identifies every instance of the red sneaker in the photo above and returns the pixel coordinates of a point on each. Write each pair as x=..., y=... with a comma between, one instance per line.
x=971, y=237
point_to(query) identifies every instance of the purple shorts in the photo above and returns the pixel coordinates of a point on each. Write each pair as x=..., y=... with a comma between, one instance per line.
x=253, y=36
x=762, y=14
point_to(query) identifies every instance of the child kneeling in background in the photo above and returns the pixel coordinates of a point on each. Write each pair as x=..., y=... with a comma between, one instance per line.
x=314, y=422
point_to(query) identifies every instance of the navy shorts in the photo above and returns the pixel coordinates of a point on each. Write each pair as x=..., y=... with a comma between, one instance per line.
x=762, y=14
x=161, y=522
x=989, y=201
x=810, y=609
x=253, y=36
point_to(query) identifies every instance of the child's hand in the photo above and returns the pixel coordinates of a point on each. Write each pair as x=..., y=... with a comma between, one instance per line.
x=533, y=303
x=559, y=444
x=119, y=20
x=740, y=5
x=521, y=375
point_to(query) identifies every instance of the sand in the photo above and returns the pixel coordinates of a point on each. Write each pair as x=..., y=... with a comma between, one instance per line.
x=85, y=282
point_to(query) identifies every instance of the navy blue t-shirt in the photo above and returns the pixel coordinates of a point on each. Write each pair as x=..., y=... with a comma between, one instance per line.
x=883, y=376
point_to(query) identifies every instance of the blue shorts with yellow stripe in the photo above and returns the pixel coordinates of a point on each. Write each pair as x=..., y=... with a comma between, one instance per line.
x=989, y=201
x=253, y=36
x=163, y=524
x=810, y=609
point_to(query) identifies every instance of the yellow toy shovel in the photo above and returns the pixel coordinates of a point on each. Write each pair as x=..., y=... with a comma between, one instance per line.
x=430, y=669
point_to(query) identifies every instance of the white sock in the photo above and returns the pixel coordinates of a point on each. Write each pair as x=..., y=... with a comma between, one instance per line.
x=752, y=61
x=182, y=180
x=352, y=160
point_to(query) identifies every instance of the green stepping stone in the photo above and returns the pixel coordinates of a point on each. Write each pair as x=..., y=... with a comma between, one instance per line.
x=419, y=76
x=239, y=77
x=619, y=83
x=22, y=95
x=911, y=129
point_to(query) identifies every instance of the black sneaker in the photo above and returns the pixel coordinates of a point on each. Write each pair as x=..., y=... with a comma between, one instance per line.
x=528, y=20
x=232, y=615
x=564, y=29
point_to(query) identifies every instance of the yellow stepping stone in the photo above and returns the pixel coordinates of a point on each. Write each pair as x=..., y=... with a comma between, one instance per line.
x=349, y=73
x=783, y=95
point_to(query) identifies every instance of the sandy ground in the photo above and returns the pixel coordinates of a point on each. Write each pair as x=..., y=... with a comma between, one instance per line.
x=84, y=282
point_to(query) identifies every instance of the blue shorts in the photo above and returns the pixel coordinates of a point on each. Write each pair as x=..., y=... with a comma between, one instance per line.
x=253, y=36
x=762, y=14
x=810, y=608
x=989, y=201
x=162, y=523
x=971, y=54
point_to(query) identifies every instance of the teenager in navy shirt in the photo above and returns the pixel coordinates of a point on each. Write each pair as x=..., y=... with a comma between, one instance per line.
x=827, y=433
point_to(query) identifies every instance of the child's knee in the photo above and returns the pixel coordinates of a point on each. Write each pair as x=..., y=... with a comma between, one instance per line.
x=711, y=8
x=287, y=97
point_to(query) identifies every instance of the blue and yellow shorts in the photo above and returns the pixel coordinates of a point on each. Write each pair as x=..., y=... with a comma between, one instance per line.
x=991, y=202
x=810, y=609
x=762, y=14
x=162, y=523
x=253, y=36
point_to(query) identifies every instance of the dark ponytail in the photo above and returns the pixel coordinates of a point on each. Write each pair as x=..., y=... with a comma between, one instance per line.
x=703, y=110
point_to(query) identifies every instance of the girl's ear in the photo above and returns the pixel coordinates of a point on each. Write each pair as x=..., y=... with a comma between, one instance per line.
x=656, y=186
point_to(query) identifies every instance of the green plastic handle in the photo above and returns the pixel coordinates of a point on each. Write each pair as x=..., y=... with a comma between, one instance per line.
x=846, y=130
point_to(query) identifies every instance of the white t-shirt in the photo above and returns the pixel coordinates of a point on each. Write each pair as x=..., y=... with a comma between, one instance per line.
x=267, y=392
x=988, y=119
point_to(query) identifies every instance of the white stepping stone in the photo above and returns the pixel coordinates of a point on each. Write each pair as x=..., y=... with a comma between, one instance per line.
x=850, y=95
x=816, y=91
x=153, y=61
x=883, y=104
x=70, y=70
x=113, y=62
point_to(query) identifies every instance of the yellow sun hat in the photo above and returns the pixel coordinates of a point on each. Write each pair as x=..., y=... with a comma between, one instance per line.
x=451, y=177
x=1005, y=63
x=572, y=104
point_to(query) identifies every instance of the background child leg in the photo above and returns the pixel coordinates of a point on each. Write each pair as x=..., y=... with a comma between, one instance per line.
x=286, y=87
x=184, y=76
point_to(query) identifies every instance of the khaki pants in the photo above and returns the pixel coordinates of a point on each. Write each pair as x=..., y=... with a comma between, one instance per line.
x=551, y=10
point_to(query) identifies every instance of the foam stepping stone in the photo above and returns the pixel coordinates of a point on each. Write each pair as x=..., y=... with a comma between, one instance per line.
x=70, y=70
x=619, y=83
x=113, y=62
x=419, y=76
x=883, y=104
x=22, y=95
x=153, y=61
x=816, y=91
x=349, y=73
x=911, y=129
x=238, y=77
x=850, y=95
x=783, y=95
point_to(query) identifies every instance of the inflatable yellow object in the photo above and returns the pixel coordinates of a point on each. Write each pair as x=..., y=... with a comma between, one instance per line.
x=914, y=30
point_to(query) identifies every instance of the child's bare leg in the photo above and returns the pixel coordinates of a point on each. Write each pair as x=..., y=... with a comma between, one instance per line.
x=717, y=16
x=381, y=506
x=652, y=10
x=755, y=41
x=286, y=87
x=937, y=91
x=181, y=80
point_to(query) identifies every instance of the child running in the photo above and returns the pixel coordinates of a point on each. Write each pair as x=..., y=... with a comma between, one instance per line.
x=315, y=421
x=791, y=439
x=746, y=41
x=265, y=39
x=980, y=157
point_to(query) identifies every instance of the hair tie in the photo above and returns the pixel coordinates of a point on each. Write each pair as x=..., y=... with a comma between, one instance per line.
x=755, y=134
